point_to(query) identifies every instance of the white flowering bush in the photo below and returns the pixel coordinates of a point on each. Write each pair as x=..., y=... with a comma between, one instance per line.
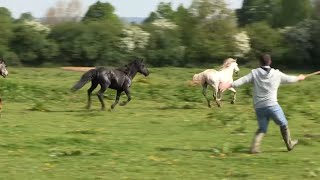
x=37, y=26
x=242, y=41
x=134, y=38
x=210, y=9
x=164, y=23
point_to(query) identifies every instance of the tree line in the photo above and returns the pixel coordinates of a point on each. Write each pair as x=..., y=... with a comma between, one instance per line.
x=204, y=33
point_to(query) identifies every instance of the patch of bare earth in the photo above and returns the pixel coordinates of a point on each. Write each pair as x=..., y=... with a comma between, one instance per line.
x=79, y=69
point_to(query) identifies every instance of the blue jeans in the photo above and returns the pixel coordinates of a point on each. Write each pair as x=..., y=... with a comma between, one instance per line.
x=273, y=112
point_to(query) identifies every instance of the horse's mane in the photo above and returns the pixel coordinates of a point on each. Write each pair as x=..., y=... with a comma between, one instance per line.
x=126, y=68
x=227, y=62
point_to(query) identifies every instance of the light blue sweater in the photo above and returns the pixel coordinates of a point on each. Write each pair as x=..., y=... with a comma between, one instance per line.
x=265, y=85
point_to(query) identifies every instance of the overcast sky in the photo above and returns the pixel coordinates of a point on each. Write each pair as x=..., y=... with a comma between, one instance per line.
x=124, y=8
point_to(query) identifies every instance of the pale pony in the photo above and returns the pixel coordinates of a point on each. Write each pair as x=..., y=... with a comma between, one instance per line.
x=213, y=78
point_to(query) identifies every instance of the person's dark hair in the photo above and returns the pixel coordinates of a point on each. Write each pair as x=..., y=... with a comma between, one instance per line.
x=265, y=60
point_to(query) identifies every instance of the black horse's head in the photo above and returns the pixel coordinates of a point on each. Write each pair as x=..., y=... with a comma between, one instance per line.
x=141, y=67
x=3, y=70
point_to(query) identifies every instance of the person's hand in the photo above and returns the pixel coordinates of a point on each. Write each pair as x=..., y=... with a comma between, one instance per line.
x=224, y=85
x=301, y=77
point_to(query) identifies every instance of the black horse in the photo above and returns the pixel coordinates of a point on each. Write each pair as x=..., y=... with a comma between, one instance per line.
x=119, y=79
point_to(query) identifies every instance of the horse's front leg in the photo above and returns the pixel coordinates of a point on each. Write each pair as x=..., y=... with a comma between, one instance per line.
x=127, y=91
x=117, y=99
x=204, y=92
x=234, y=95
x=219, y=95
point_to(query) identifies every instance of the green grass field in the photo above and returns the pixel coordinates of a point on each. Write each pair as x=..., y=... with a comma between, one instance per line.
x=166, y=132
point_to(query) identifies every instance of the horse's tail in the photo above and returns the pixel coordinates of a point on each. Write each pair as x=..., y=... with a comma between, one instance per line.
x=85, y=78
x=197, y=79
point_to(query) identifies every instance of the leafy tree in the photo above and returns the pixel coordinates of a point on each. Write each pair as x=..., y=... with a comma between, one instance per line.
x=31, y=44
x=186, y=25
x=26, y=17
x=88, y=44
x=304, y=43
x=6, y=27
x=316, y=8
x=164, y=10
x=101, y=12
x=6, y=35
x=265, y=39
x=256, y=11
x=215, y=29
x=152, y=17
x=315, y=41
x=165, y=47
x=292, y=12
x=94, y=41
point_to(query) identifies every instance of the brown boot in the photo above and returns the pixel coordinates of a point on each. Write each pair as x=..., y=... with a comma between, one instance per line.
x=255, y=147
x=286, y=138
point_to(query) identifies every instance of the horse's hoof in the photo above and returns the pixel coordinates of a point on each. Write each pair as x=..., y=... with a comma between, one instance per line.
x=112, y=108
x=209, y=106
x=122, y=104
x=232, y=102
x=103, y=109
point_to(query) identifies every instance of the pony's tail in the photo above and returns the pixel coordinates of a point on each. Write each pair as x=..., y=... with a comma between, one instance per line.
x=197, y=79
x=85, y=78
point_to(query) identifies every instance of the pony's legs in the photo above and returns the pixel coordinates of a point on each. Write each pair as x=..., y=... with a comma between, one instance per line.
x=234, y=95
x=215, y=95
x=94, y=84
x=219, y=95
x=127, y=91
x=104, y=85
x=204, y=92
x=117, y=99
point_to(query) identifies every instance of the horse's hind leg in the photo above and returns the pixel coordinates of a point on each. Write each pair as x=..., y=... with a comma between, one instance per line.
x=94, y=84
x=234, y=95
x=204, y=92
x=127, y=91
x=104, y=85
x=117, y=99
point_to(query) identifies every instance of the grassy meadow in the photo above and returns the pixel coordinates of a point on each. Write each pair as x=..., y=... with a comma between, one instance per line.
x=166, y=132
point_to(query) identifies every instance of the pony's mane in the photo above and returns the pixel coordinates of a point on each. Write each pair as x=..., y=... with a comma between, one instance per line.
x=126, y=68
x=227, y=62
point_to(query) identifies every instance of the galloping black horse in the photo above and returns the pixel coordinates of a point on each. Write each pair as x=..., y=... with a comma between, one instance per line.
x=119, y=79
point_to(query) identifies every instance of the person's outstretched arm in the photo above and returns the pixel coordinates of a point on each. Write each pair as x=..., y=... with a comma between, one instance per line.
x=243, y=80
x=290, y=79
